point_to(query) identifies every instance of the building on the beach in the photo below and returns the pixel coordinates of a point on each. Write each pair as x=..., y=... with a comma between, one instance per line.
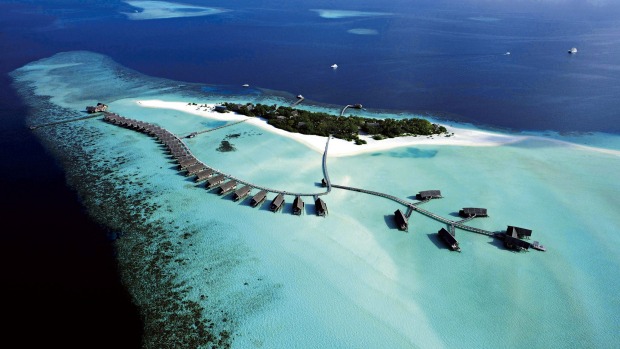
x=242, y=192
x=518, y=232
x=277, y=203
x=228, y=186
x=220, y=108
x=402, y=222
x=100, y=107
x=215, y=181
x=320, y=207
x=258, y=198
x=298, y=205
x=469, y=212
x=449, y=239
x=428, y=194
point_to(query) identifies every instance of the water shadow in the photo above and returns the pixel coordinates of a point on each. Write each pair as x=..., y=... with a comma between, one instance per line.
x=455, y=214
x=390, y=221
x=436, y=240
x=310, y=209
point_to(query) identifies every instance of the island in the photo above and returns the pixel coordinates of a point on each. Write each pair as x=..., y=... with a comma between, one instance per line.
x=348, y=128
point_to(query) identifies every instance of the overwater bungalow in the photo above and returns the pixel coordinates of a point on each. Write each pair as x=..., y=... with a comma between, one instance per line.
x=468, y=212
x=183, y=164
x=258, y=198
x=514, y=243
x=402, y=222
x=520, y=233
x=204, y=174
x=215, y=181
x=298, y=205
x=428, y=194
x=277, y=203
x=242, y=192
x=100, y=107
x=195, y=168
x=449, y=239
x=320, y=207
x=228, y=186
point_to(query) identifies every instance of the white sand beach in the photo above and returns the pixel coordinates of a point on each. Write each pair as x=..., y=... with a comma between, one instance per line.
x=339, y=147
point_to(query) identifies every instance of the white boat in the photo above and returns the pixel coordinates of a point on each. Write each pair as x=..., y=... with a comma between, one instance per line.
x=507, y=53
x=538, y=246
x=572, y=50
x=334, y=66
x=245, y=85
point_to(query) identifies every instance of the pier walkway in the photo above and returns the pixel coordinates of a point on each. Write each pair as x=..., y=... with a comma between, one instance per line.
x=181, y=148
x=192, y=134
x=300, y=99
x=356, y=106
x=414, y=207
x=90, y=116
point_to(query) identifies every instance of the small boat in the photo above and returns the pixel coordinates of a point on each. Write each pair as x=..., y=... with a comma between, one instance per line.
x=507, y=53
x=245, y=85
x=334, y=66
x=536, y=245
x=300, y=97
x=572, y=50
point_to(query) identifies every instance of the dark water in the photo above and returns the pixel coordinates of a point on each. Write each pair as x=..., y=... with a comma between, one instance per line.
x=445, y=58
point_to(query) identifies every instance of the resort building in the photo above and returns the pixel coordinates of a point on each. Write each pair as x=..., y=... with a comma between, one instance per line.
x=428, y=194
x=402, y=222
x=449, y=239
x=468, y=212
x=277, y=203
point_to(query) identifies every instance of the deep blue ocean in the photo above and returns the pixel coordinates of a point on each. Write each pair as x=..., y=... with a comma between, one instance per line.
x=442, y=58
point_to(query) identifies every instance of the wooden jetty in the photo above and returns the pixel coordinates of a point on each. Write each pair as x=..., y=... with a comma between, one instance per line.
x=277, y=203
x=258, y=198
x=320, y=207
x=184, y=158
x=242, y=192
x=473, y=212
x=215, y=181
x=428, y=194
x=300, y=99
x=356, y=106
x=402, y=222
x=449, y=239
x=298, y=205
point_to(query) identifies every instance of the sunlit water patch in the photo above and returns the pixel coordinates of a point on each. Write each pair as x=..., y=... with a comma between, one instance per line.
x=336, y=14
x=165, y=9
x=363, y=31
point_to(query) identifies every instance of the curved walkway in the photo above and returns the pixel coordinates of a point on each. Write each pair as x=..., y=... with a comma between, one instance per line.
x=181, y=152
x=415, y=207
x=183, y=155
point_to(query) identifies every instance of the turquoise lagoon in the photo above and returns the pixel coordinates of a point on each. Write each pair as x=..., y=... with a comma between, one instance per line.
x=206, y=270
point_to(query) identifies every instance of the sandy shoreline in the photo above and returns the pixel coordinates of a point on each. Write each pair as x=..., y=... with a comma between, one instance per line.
x=339, y=147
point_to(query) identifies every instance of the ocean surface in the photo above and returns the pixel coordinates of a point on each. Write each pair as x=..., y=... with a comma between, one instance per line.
x=111, y=246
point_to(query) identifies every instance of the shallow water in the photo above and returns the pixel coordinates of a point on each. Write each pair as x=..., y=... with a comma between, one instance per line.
x=205, y=269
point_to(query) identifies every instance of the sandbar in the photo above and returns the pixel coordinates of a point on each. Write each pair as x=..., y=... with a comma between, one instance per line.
x=339, y=147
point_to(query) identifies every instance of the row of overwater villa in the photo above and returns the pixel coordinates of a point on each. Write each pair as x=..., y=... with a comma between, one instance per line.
x=225, y=183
